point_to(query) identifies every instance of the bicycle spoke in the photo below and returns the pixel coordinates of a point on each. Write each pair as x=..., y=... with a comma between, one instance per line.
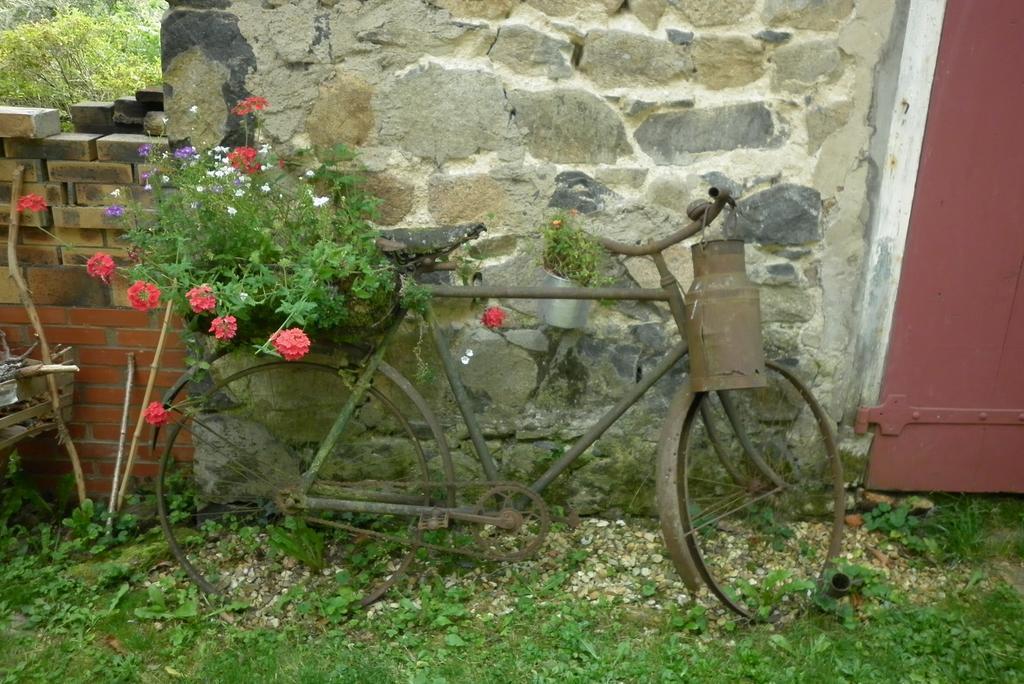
x=722, y=514
x=721, y=483
x=702, y=511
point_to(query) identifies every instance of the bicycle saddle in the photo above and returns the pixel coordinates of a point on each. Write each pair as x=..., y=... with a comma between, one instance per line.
x=425, y=242
x=410, y=244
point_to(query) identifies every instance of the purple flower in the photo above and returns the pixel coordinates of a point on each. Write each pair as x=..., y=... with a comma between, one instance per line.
x=186, y=152
x=145, y=149
x=114, y=211
x=144, y=175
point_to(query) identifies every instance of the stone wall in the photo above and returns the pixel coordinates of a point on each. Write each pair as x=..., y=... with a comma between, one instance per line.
x=502, y=111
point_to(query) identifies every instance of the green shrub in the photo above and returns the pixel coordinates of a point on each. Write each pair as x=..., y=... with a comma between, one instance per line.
x=16, y=12
x=74, y=56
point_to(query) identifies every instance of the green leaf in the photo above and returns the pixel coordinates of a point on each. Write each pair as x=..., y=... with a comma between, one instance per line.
x=188, y=609
x=121, y=592
x=453, y=639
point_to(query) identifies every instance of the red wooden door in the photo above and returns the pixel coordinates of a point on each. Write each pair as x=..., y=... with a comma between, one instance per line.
x=952, y=401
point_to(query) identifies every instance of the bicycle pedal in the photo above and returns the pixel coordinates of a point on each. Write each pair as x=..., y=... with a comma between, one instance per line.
x=436, y=519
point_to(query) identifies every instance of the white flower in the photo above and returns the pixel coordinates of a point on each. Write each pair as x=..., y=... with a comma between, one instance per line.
x=165, y=179
x=200, y=188
x=265, y=188
x=194, y=205
x=232, y=211
x=220, y=148
x=309, y=174
x=211, y=174
x=194, y=109
x=239, y=192
x=469, y=353
x=147, y=186
x=264, y=149
x=320, y=201
x=244, y=296
x=464, y=360
x=116, y=192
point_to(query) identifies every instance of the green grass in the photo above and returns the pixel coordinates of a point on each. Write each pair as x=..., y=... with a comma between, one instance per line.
x=69, y=621
x=978, y=527
x=976, y=635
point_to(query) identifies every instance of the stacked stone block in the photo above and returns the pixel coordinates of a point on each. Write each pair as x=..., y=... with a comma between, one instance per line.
x=139, y=113
x=76, y=172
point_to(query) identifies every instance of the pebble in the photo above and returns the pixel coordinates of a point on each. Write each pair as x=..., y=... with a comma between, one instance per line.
x=622, y=562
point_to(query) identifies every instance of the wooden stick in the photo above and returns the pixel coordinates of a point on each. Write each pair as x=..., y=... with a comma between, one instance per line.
x=63, y=436
x=153, y=368
x=45, y=368
x=112, y=507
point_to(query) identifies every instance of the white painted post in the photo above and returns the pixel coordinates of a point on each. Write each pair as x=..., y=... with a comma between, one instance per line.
x=896, y=194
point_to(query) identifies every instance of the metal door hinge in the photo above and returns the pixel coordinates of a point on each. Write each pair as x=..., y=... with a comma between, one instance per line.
x=895, y=413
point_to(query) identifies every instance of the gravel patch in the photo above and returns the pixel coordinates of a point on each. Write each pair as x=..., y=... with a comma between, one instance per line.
x=623, y=562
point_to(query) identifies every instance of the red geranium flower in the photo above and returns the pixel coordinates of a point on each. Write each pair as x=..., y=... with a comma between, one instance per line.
x=224, y=327
x=100, y=266
x=292, y=343
x=143, y=296
x=493, y=317
x=156, y=414
x=250, y=105
x=31, y=202
x=201, y=299
x=244, y=159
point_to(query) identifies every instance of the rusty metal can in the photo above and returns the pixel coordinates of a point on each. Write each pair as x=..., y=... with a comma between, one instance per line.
x=723, y=320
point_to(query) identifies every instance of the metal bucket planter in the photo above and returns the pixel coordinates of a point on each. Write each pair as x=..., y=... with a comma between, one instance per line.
x=563, y=313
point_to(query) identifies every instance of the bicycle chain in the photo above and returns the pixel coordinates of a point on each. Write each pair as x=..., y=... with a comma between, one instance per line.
x=542, y=514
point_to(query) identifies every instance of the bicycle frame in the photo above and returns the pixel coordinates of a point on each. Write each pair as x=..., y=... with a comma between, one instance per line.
x=669, y=292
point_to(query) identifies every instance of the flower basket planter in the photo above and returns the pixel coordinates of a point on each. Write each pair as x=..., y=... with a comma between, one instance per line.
x=569, y=314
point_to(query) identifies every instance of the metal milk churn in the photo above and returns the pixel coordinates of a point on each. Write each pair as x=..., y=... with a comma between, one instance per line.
x=723, y=326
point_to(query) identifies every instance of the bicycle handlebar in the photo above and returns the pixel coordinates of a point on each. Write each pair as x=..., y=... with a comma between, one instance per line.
x=705, y=215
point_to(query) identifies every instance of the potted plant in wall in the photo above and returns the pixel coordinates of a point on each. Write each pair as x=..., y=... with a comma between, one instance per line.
x=572, y=258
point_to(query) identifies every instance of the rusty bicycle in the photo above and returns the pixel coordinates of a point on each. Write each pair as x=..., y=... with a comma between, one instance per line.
x=749, y=481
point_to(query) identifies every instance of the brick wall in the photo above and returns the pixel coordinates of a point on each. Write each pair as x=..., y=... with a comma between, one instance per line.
x=76, y=172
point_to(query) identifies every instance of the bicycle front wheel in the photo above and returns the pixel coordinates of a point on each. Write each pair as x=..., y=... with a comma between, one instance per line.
x=233, y=513
x=763, y=495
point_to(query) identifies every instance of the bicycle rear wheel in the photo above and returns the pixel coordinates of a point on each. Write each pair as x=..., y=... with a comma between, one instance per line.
x=252, y=434
x=762, y=493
